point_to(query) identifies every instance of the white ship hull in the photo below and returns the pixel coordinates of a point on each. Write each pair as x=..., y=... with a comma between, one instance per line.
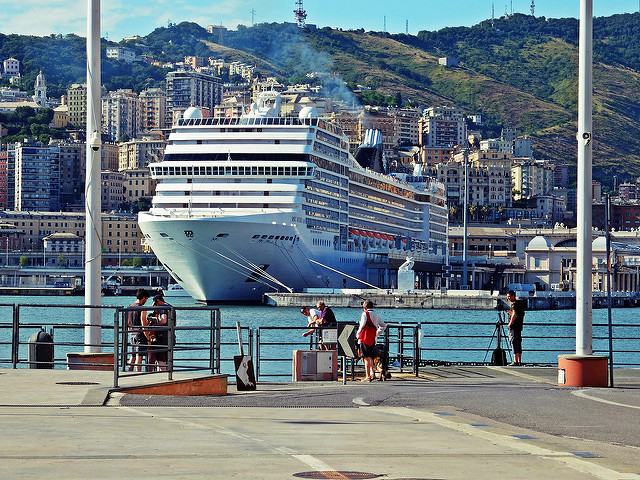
x=239, y=268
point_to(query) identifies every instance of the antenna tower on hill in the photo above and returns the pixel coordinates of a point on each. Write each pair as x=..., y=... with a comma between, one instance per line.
x=493, y=14
x=301, y=14
x=533, y=8
x=253, y=16
x=406, y=27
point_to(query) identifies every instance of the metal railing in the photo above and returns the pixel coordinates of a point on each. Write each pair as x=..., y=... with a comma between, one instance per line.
x=203, y=344
x=201, y=352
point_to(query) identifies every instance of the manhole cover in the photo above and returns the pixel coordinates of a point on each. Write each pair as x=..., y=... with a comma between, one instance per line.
x=77, y=383
x=340, y=475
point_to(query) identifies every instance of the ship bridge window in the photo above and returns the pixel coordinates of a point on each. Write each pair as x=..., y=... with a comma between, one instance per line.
x=263, y=236
x=256, y=236
x=222, y=235
x=162, y=234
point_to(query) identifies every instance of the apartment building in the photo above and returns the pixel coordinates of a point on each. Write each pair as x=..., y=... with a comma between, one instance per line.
x=3, y=179
x=432, y=156
x=138, y=154
x=407, y=126
x=72, y=175
x=121, y=114
x=122, y=54
x=37, y=177
x=442, y=127
x=153, y=106
x=193, y=62
x=137, y=183
x=112, y=191
x=488, y=179
x=532, y=177
x=188, y=88
x=35, y=226
x=61, y=116
x=77, y=104
x=109, y=157
x=11, y=67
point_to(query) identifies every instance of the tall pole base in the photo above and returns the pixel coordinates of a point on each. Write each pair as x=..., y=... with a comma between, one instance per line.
x=583, y=370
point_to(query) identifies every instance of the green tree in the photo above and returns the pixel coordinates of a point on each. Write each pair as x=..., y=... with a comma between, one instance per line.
x=24, y=261
x=473, y=210
x=142, y=205
x=137, y=262
x=62, y=260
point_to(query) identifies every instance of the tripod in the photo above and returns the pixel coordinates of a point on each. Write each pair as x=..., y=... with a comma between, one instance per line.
x=499, y=356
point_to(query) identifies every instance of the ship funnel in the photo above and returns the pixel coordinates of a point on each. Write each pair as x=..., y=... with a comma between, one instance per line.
x=371, y=153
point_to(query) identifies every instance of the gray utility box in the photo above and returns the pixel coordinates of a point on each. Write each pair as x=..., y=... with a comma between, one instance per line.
x=315, y=365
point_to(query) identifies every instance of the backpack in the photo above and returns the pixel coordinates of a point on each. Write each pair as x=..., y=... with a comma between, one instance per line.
x=368, y=333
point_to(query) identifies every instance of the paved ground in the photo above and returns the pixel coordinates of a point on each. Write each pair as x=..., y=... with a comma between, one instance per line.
x=451, y=423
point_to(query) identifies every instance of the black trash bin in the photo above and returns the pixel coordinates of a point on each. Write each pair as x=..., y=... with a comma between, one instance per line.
x=40, y=354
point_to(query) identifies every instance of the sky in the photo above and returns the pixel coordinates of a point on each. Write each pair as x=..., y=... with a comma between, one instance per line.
x=122, y=18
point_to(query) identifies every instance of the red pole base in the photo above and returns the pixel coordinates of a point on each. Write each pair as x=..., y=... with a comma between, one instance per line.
x=583, y=370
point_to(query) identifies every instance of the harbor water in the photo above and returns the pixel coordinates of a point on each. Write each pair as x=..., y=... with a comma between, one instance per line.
x=456, y=336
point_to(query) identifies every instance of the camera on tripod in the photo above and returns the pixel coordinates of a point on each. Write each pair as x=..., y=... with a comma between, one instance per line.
x=499, y=355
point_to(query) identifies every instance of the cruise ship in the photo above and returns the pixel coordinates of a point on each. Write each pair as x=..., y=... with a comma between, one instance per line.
x=265, y=203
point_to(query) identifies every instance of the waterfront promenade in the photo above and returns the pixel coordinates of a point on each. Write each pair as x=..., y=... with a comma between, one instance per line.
x=450, y=423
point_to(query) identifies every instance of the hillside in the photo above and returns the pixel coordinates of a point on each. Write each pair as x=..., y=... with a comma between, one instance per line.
x=521, y=73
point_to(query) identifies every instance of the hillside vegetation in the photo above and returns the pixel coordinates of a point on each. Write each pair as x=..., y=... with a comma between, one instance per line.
x=521, y=73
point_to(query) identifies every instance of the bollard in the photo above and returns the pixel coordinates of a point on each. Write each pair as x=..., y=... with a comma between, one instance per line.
x=40, y=352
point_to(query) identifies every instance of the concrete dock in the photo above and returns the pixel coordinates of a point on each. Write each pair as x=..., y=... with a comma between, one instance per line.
x=450, y=423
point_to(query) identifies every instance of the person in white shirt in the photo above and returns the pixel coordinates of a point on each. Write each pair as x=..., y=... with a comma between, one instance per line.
x=371, y=325
x=313, y=319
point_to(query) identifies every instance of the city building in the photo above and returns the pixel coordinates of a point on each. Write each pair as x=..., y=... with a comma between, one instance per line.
x=137, y=184
x=63, y=249
x=188, y=88
x=60, y=116
x=137, y=154
x=153, y=105
x=497, y=145
x=3, y=179
x=407, y=126
x=8, y=94
x=121, y=115
x=11, y=67
x=627, y=191
x=532, y=177
x=37, y=177
x=442, y=127
x=72, y=175
x=110, y=156
x=623, y=216
x=193, y=62
x=112, y=190
x=77, y=105
x=122, y=54
x=432, y=156
x=34, y=226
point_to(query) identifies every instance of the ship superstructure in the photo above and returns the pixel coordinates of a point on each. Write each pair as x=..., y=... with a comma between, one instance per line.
x=262, y=203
